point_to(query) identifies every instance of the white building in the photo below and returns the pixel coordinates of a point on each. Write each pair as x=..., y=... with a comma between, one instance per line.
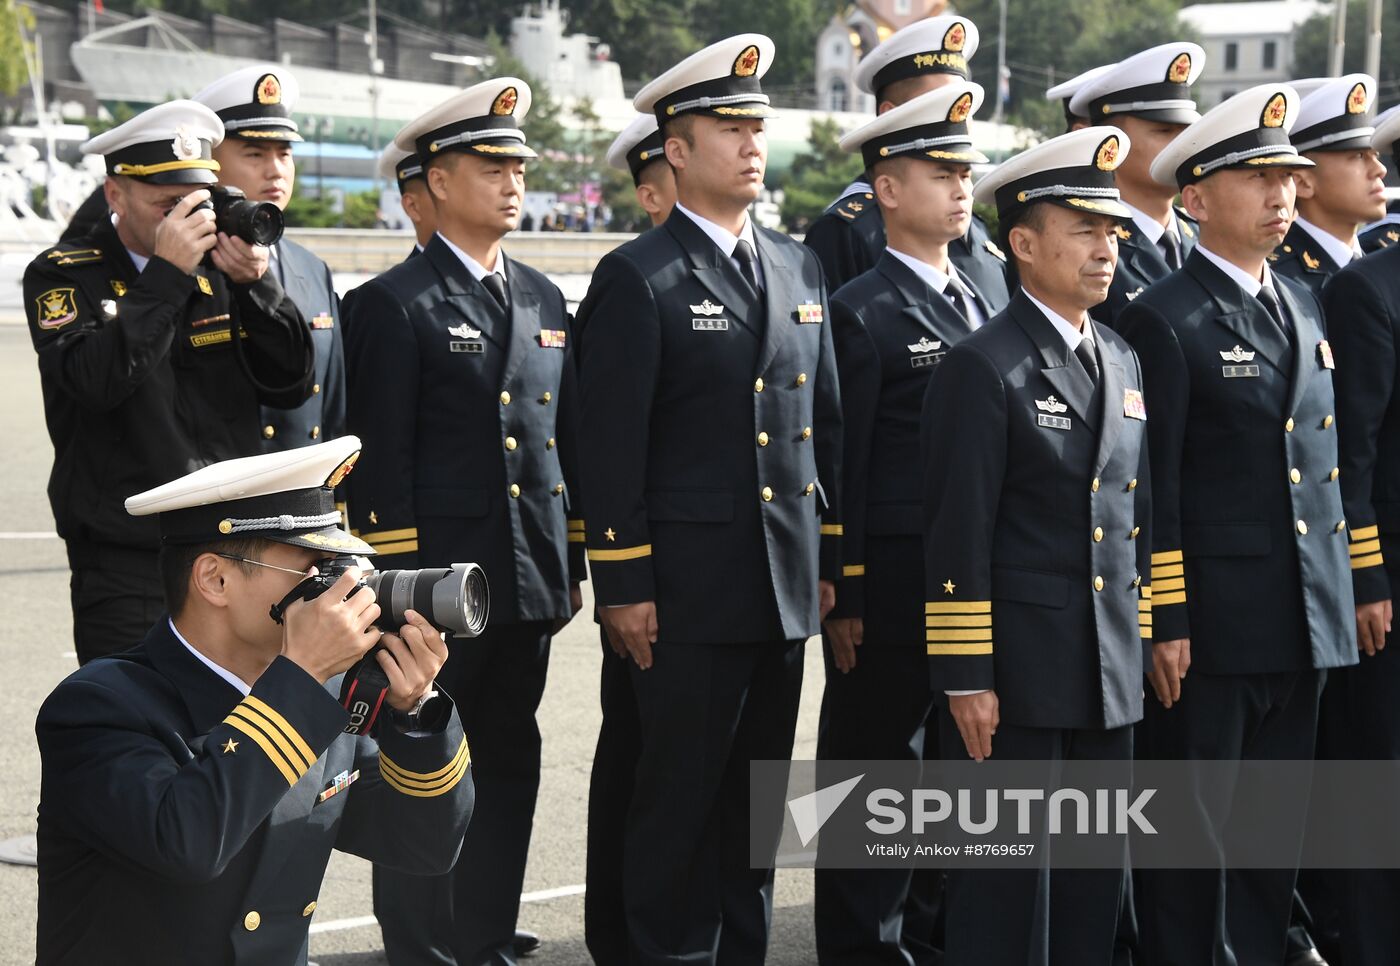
x=849, y=36
x=1246, y=43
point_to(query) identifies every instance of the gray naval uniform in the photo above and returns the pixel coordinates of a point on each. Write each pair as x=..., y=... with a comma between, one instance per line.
x=307, y=281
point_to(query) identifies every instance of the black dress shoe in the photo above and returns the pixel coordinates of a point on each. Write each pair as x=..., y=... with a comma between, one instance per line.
x=1306, y=957
x=527, y=942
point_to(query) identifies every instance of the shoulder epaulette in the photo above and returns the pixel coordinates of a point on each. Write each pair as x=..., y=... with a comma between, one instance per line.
x=1187, y=223
x=854, y=206
x=65, y=256
x=1122, y=231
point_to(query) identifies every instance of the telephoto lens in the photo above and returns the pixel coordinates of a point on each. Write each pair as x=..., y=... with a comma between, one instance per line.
x=454, y=599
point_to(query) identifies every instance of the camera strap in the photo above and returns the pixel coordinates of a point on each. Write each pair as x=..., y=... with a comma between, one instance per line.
x=362, y=693
x=306, y=590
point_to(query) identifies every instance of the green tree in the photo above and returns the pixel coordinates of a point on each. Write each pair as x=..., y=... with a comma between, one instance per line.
x=817, y=175
x=15, y=20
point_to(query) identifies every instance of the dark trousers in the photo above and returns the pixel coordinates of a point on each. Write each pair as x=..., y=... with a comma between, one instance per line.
x=116, y=597
x=1036, y=917
x=1227, y=917
x=609, y=796
x=706, y=711
x=881, y=710
x=467, y=917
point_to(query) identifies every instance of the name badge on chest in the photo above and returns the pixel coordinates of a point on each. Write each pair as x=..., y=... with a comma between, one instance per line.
x=707, y=317
x=468, y=339
x=1235, y=357
x=925, y=353
x=1049, y=415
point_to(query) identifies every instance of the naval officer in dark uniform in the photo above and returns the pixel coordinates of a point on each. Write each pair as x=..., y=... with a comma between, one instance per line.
x=710, y=455
x=1344, y=191
x=1251, y=585
x=1148, y=95
x=405, y=169
x=640, y=151
x=256, y=103
x=850, y=237
x=1385, y=231
x=1036, y=502
x=471, y=419
x=144, y=374
x=892, y=326
x=194, y=786
x=1064, y=93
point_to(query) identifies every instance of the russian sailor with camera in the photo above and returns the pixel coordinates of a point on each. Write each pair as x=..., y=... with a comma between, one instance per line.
x=469, y=434
x=194, y=786
x=158, y=333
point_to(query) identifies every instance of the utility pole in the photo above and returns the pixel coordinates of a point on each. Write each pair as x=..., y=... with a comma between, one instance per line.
x=1001, y=65
x=1373, y=39
x=1339, y=39
x=376, y=67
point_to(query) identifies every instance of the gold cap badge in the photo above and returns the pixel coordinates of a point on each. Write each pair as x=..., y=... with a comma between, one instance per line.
x=1356, y=100
x=269, y=90
x=961, y=108
x=955, y=38
x=1274, y=111
x=1107, y=157
x=1180, y=70
x=505, y=102
x=746, y=64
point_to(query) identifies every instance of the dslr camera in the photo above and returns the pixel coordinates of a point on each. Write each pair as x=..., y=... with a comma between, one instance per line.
x=256, y=222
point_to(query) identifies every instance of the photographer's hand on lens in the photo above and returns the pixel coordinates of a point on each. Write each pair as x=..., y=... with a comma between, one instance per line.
x=411, y=660
x=241, y=262
x=186, y=234
x=329, y=633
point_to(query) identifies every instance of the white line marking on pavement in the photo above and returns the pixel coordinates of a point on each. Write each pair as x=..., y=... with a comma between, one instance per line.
x=28, y=535
x=544, y=895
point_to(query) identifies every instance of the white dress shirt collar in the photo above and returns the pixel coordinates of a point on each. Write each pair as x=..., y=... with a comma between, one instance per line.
x=1071, y=333
x=1341, y=252
x=724, y=240
x=227, y=675
x=1150, y=227
x=478, y=270
x=140, y=261
x=1239, y=276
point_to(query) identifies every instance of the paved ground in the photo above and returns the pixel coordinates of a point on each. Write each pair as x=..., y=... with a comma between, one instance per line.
x=36, y=652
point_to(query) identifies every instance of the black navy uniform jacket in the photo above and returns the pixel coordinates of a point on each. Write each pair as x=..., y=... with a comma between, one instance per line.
x=141, y=379
x=1302, y=259
x=307, y=281
x=1249, y=544
x=891, y=330
x=711, y=436
x=467, y=419
x=1140, y=264
x=180, y=821
x=1363, y=302
x=1383, y=233
x=849, y=239
x=1036, y=501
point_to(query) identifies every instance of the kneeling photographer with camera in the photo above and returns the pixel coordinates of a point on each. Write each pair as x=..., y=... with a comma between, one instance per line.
x=194, y=786
x=158, y=334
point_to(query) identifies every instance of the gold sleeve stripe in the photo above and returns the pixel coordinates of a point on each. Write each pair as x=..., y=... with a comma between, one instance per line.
x=389, y=536
x=833, y=529
x=403, y=546
x=1168, y=570
x=427, y=777
x=1166, y=557
x=1144, y=606
x=958, y=620
x=1175, y=583
x=853, y=570
x=262, y=741
x=625, y=553
x=958, y=607
x=1361, y=563
x=940, y=650
x=576, y=525
x=1145, y=632
x=1164, y=600
x=1145, y=591
x=444, y=781
x=292, y=755
x=960, y=634
x=1361, y=548
x=578, y=536
x=282, y=724
x=1365, y=533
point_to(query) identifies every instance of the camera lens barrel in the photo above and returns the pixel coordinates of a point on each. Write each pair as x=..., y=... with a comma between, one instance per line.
x=454, y=599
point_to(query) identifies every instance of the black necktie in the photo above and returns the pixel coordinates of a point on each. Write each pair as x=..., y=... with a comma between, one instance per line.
x=1271, y=303
x=496, y=286
x=748, y=264
x=955, y=295
x=1085, y=352
x=1171, y=250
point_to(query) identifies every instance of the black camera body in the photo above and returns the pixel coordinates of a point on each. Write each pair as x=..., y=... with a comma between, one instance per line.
x=256, y=222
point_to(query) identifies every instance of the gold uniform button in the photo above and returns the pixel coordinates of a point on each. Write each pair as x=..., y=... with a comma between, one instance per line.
x=1302, y=527
x=1288, y=425
x=1336, y=472
x=1098, y=583
x=1295, y=476
x=252, y=921
x=802, y=378
x=1132, y=484
x=514, y=490
x=315, y=389
x=1098, y=534
x=1133, y=533
x=758, y=384
x=810, y=488
x=806, y=432
x=315, y=432
x=549, y=443
x=1094, y=486
x=310, y=908
x=767, y=494
x=762, y=439
x=547, y=396
x=1327, y=421
x=558, y=488
x=269, y=432
x=511, y=443
x=505, y=398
